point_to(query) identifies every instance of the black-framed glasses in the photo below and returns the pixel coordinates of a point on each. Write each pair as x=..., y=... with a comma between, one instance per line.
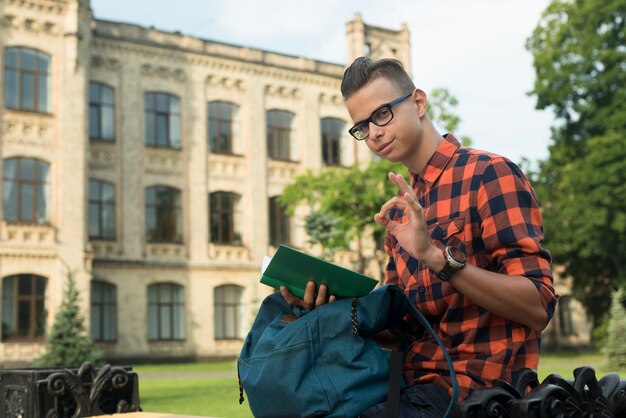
x=379, y=117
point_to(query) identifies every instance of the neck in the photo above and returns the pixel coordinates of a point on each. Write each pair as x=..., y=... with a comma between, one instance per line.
x=426, y=147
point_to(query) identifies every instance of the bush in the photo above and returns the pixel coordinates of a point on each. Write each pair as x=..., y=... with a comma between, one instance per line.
x=68, y=343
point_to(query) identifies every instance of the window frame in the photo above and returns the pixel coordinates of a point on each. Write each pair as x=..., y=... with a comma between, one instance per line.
x=171, y=306
x=236, y=307
x=176, y=208
x=100, y=105
x=167, y=116
x=280, y=134
x=36, y=332
x=37, y=74
x=279, y=223
x=39, y=188
x=100, y=203
x=332, y=134
x=224, y=208
x=105, y=307
x=215, y=121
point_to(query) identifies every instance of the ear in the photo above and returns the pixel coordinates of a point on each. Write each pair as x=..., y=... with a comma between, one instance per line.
x=421, y=102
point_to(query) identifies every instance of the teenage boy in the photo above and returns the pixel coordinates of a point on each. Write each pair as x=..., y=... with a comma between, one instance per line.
x=464, y=242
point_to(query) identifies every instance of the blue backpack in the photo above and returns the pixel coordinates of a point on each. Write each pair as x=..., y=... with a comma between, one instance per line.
x=296, y=363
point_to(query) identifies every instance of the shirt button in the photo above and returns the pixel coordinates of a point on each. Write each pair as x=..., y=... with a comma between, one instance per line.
x=422, y=290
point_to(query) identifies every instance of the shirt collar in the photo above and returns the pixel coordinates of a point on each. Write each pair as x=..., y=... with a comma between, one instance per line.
x=438, y=161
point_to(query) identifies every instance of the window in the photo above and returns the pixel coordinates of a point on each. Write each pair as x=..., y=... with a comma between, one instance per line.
x=164, y=218
x=26, y=80
x=224, y=218
x=101, y=112
x=103, y=311
x=101, y=210
x=162, y=120
x=26, y=190
x=332, y=132
x=166, y=312
x=280, y=134
x=23, y=307
x=223, y=125
x=566, y=316
x=278, y=222
x=229, y=314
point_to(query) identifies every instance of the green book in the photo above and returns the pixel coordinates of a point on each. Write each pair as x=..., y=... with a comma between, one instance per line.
x=293, y=269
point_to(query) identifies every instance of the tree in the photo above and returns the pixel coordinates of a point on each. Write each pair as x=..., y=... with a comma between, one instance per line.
x=579, y=51
x=343, y=201
x=442, y=110
x=614, y=349
x=68, y=343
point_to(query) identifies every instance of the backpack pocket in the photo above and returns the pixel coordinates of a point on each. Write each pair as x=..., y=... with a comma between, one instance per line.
x=284, y=367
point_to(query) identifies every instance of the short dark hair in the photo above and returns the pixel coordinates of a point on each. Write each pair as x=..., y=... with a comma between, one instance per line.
x=363, y=70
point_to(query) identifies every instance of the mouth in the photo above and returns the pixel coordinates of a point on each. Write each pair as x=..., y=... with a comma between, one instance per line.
x=384, y=148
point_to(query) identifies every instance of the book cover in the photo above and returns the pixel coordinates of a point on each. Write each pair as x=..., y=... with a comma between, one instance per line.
x=293, y=269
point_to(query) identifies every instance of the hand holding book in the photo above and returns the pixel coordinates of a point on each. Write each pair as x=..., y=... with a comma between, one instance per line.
x=294, y=269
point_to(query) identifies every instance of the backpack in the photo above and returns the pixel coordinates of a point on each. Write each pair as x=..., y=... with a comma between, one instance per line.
x=321, y=363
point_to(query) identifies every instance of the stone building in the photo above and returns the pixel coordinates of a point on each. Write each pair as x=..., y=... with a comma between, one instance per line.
x=149, y=163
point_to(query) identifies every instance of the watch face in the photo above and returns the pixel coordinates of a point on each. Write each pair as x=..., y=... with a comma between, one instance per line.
x=457, y=255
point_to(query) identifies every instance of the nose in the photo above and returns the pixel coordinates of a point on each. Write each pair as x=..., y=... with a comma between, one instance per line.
x=375, y=131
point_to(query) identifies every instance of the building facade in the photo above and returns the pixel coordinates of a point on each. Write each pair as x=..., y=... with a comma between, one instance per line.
x=149, y=163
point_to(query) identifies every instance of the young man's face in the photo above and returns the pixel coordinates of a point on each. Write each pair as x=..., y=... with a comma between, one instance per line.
x=397, y=140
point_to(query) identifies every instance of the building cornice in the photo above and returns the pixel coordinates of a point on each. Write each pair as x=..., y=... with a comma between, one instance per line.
x=232, y=59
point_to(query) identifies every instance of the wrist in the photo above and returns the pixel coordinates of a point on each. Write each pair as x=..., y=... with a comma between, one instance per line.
x=435, y=259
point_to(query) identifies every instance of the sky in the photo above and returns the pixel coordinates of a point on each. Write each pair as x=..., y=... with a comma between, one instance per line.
x=475, y=49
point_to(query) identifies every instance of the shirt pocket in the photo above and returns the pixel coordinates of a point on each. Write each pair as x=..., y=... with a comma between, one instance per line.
x=448, y=232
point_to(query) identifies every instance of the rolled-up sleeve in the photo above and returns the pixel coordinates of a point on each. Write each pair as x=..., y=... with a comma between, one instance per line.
x=512, y=228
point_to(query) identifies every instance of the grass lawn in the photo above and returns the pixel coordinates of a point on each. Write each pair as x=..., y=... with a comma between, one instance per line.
x=211, y=389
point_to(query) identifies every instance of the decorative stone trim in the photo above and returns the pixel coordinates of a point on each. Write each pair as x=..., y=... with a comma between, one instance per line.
x=282, y=172
x=165, y=251
x=105, y=249
x=163, y=72
x=229, y=253
x=225, y=167
x=108, y=64
x=32, y=235
x=329, y=98
x=57, y=7
x=102, y=159
x=30, y=131
x=283, y=92
x=227, y=83
x=163, y=162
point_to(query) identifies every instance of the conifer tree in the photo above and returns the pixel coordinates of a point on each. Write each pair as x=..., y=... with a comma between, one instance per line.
x=68, y=343
x=615, y=348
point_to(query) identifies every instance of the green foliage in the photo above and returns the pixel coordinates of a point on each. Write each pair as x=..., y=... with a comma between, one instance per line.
x=68, y=343
x=342, y=203
x=615, y=348
x=441, y=108
x=600, y=334
x=579, y=52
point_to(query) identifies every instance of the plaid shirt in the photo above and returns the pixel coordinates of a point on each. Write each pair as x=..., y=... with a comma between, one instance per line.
x=483, y=204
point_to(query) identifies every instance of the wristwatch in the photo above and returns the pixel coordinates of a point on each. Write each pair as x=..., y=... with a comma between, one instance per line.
x=455, y=261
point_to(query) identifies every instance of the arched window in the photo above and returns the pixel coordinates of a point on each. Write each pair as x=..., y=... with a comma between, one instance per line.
x=225, y=218
x=280, y=134
x=162, y=124
x=26, y=190
x=23, y=307
x=332, y=134
x=166, y=312
x=101, y=112
x=26, y=79
x=103, y=311
x=279, y=222
x=101, y=210
x=164, y=215
x=223, y=126
x=229, y=313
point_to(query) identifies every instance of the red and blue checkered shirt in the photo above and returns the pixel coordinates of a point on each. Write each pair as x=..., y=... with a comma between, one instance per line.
x=483, y=204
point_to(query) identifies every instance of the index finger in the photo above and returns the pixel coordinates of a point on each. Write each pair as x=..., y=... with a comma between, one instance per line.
x=399, y=181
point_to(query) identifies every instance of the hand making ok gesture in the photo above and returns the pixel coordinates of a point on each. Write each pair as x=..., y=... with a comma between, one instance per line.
x=413, y=235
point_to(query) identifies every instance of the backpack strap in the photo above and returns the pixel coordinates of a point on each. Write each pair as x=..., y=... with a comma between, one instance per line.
x=395, y=376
